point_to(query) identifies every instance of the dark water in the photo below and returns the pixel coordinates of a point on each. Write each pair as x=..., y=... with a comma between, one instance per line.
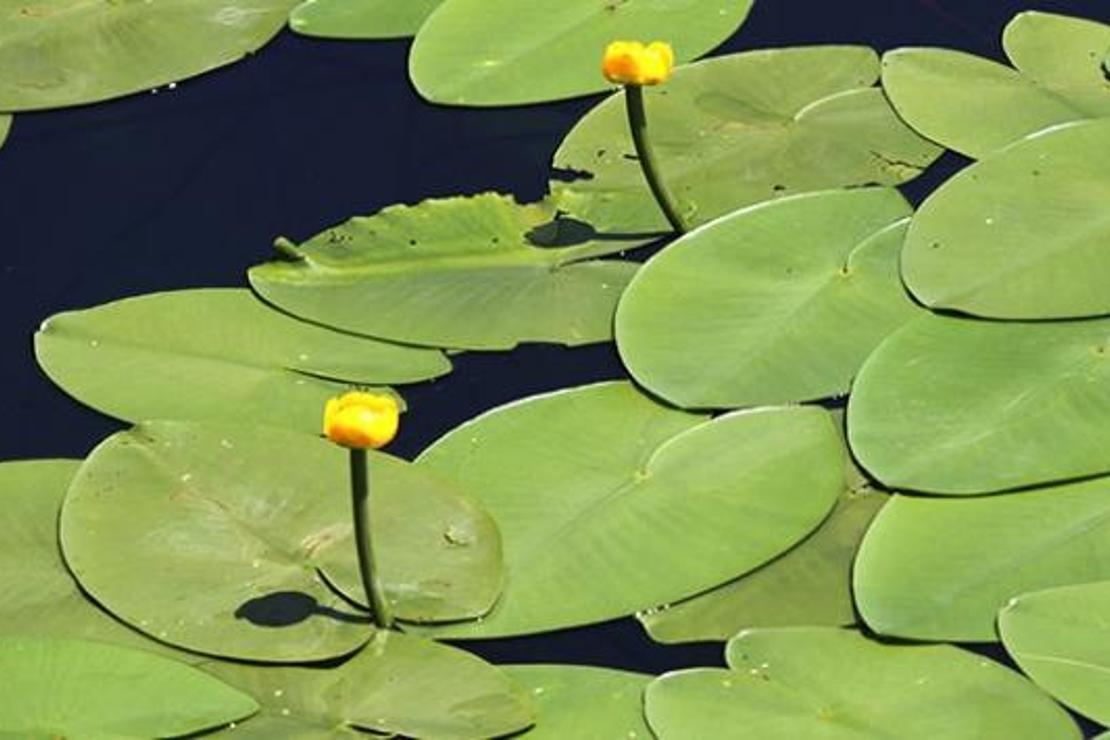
x=188, y=187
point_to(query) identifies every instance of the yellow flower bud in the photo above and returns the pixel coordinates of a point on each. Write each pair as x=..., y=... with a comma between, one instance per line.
x=361, y=420
x=632, y=63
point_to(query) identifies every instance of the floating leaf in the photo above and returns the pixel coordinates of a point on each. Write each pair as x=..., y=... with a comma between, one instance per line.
x=940, y=569
x=396, y=684
x=740, y=129
x=726, y=317
x=976, y=106
x=829, y=683
x=503, y=52
x=609, y=502
x=5, y=127
x=455, y=272
x=959, y=407
x=360, y=19
x=77, y=688
x=1022, y=234
x=1061, y=638
x=215, y=354
x=55, y=54
x=209, y=537
x=584, y=701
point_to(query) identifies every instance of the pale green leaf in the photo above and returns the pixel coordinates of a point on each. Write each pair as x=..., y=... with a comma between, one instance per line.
x=584, y=702
x=360, y=19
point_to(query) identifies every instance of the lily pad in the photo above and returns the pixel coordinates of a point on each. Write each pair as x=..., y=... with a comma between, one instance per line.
x=503, y=52
x=977, y=106
x=1061, y=638
x=958, y=407
x=740, y=129
x=396, y=684
x=455, y=272
x=209, y=537
x=584, y=701
x=940, y=569
x=5, y=127
x=77, y=688
x=706, y=324
x=215, y=354
x=1022, y=234
x=55, y=54
x=829, y=683
x=609, y=502
x=360, y=19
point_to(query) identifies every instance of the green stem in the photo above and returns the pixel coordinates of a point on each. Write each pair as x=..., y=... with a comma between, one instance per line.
x=360, y=498
x=637, y=123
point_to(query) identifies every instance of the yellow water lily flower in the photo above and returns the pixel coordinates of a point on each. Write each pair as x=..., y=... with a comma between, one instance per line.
x=361, y=420
x=633, y=63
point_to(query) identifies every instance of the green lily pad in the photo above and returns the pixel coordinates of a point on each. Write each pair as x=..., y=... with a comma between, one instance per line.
x=958, y=407
x=396, y=684
x=584, y=701
x=54, y=54
x=5, y=127
x=503, y=52
x=940, y=569
x=977, y=106
x=1061, y=638
x=740, y=129
x=215, y=354
x=829, y=683
x=454, y=272
x=609, y=502
x=707, y=325
x=360, y=19
x=1022, y=234
x=77, y=688
x=209, y=537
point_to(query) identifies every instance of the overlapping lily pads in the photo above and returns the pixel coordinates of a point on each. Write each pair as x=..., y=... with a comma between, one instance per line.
x=1061, y=638
x=729, y=317
x=954, y=406
x=209, y=537
x=77, y=688
x=1022, y=234
x=503, y=52
x=215, y=354
x=609, y=503
x=736, y=130
x=829, y=683
x=460, y=272
x=395, y=685
x=940, y=569
x=584, y=701
x=360, y=19
x=977, y=106
x=55, y=54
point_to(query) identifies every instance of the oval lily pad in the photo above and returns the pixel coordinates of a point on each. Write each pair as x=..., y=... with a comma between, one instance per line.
x=583, y=701
x=1060, y=637
x=455, y=272
x=740, y=129
x=706, y=324
x=56, y=54
x=609, y=502
x=940, y=569
x=360, y=19
x=829, y=683
x=977, y=106
x=215, y=354
x=503, y=52
x=77, y=688
x=958, y=407
x=209, y=537
x=396, y=684
x=1021, y=234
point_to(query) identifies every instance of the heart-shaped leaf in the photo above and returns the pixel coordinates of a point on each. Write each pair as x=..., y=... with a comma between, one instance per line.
x=360, y=19
x=577, y=701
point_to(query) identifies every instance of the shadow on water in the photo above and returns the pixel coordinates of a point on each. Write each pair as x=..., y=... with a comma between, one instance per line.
x=286, y=608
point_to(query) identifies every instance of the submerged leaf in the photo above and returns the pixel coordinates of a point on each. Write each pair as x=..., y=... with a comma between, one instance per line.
x=360, y=19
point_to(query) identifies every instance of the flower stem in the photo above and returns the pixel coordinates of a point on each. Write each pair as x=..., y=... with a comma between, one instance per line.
x=360, y=499
x=637, y=123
